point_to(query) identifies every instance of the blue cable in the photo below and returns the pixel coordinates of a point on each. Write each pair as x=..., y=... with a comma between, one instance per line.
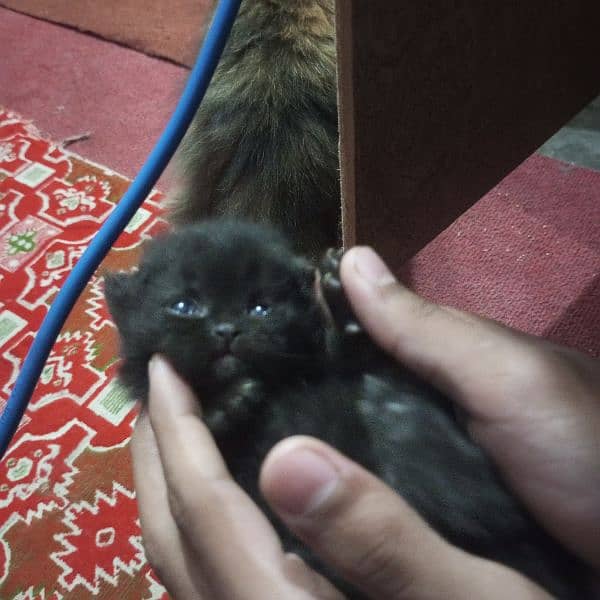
x=194, y=91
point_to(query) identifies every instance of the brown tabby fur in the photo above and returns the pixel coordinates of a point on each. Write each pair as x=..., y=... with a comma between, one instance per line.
x=264, y=144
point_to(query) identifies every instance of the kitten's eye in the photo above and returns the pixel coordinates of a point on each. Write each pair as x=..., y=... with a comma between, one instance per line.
x=188, y=308
x=259, y=310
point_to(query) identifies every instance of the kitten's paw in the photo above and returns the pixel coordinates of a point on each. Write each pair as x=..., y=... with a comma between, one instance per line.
x=235, y=406
x=330, y=263
x=333, y=293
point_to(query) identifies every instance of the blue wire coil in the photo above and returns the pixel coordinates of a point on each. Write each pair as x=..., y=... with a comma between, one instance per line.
x=190, y=100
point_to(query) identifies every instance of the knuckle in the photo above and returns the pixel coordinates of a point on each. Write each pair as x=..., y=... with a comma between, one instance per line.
x=377, y=565
x=535, y=365
x=423, y=309
x=373, y=561
x=413, y=306
x=192, y=505
x=180, y=508
x=410, y=314
x=541, y=366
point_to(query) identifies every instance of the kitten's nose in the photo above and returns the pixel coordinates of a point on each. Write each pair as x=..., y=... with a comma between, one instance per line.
x=227, y=331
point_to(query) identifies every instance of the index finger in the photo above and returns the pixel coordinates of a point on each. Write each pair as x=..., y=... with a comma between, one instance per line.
x=236, y=548
x=161, y=536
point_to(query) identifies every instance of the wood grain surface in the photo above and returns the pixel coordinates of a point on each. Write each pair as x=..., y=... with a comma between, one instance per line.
x=440, y=100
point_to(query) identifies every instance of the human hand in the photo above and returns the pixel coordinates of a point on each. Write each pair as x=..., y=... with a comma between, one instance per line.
x=210, y=540
x=532, y=405
x=207, y=539
x=203, y=535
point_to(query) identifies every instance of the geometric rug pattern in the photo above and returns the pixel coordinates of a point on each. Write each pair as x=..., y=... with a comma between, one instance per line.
x=68, y=518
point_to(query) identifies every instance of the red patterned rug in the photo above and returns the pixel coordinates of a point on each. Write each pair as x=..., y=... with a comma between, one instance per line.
x=68, y=518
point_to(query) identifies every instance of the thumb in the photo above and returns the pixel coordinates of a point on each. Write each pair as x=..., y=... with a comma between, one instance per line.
x=370, y=535
x=461, y=354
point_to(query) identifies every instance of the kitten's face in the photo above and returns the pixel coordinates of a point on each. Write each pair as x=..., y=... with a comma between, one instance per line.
x=222, y=301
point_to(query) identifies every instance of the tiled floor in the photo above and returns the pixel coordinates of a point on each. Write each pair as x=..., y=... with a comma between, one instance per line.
x=579, y=141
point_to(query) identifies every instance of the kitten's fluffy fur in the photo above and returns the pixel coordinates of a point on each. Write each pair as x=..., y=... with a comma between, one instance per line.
x=234, y=310
x=264, y=144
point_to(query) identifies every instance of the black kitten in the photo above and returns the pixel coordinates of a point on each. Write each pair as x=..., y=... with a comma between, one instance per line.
x=235, y=311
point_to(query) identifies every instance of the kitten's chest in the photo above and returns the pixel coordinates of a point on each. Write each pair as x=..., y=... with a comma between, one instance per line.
x=327, y=409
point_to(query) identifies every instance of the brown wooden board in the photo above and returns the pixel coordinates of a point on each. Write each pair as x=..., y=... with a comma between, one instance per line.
x=440, y=100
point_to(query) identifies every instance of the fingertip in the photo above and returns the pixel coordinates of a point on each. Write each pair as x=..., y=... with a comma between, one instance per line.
x=298, y=477
x=168, y=391
x=363, y=262
x=158, y=365
x=371, y=288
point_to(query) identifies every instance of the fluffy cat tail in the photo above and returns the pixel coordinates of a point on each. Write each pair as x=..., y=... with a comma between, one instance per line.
x=264, y=144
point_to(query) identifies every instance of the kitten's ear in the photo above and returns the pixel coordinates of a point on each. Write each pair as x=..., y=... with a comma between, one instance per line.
x=121, y=294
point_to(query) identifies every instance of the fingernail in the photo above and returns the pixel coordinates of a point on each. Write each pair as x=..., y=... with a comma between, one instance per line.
x=167, y=387
x=156, y=364
x=370, y=267
x=300, y=481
